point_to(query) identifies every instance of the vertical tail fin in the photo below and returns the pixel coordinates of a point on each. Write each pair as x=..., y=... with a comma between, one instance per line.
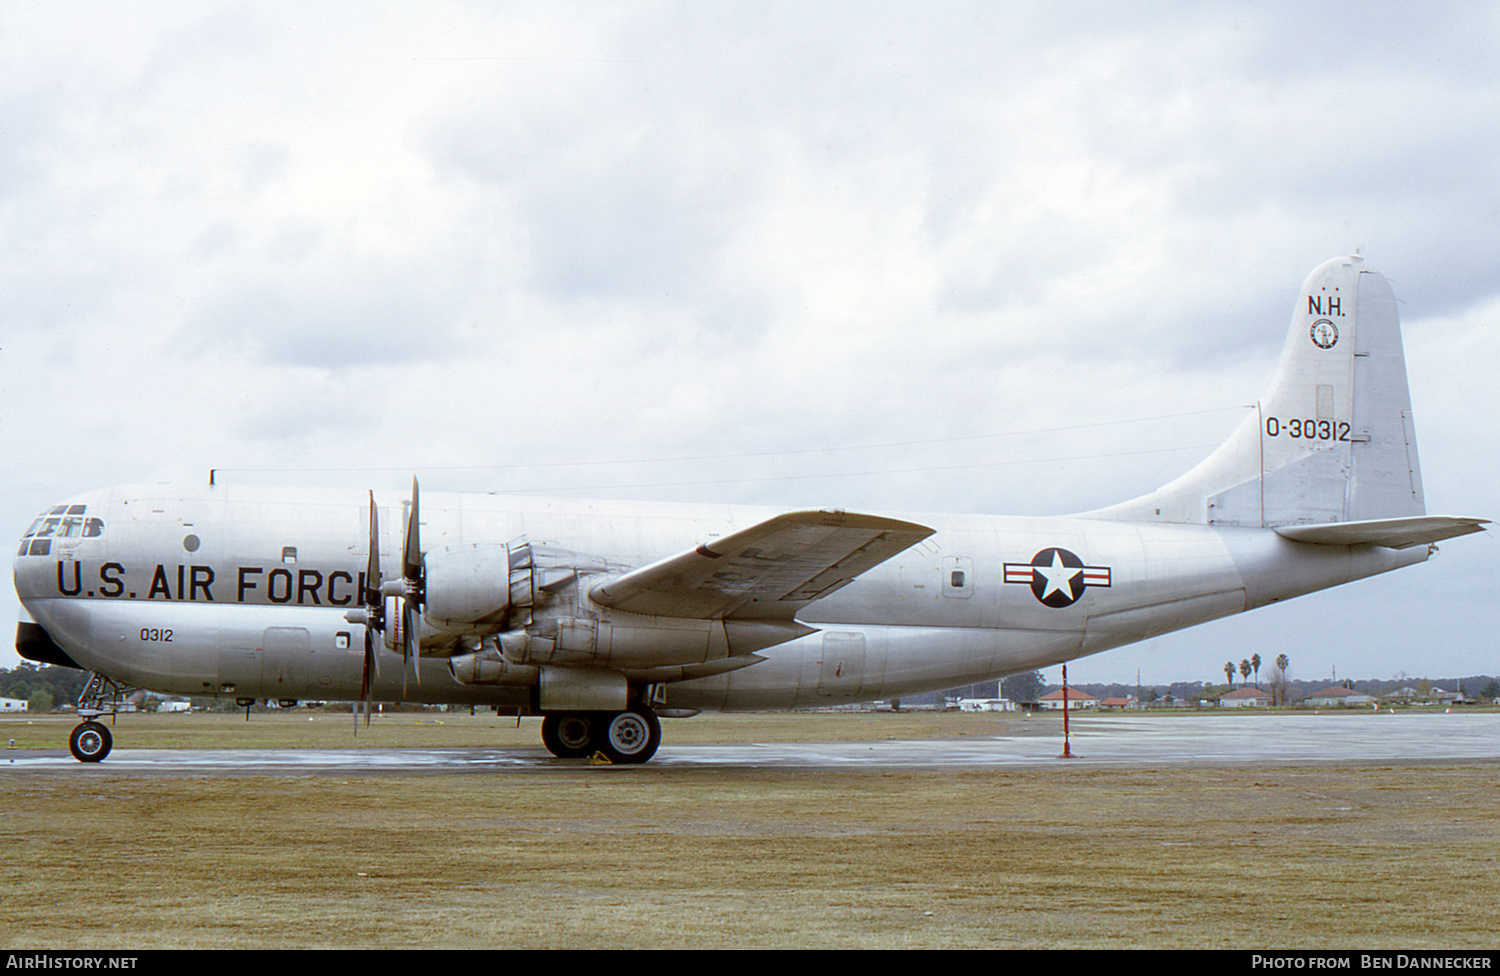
x=1332, y=441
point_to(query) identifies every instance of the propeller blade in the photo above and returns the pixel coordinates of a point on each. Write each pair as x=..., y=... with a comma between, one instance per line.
x=372, y=616
x=411, y=643
x=411, y=553
x=371, y=664
x=412, y=597
x=371, y=596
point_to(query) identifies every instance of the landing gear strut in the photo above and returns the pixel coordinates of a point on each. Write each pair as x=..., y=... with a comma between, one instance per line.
x=627, y=737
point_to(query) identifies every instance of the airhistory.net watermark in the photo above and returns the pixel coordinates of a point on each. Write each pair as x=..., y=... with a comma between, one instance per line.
x=70, y=960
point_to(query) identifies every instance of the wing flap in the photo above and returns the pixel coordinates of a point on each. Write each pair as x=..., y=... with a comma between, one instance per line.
x=1395, y=533
x=770, y=570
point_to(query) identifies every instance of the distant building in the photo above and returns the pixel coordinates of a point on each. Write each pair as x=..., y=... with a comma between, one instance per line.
x=1242, y=697
x=1433, y=696
x=1127, y=702
x=1338, y=696
x=1076, y=700
x=12, y=705
x=986, y=705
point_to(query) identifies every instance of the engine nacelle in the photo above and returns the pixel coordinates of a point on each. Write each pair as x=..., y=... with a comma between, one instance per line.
x=644, y=642
x=529, y=595
x=468, y=588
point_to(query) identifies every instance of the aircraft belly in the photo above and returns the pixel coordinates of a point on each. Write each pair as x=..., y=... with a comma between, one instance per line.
x=839, y=665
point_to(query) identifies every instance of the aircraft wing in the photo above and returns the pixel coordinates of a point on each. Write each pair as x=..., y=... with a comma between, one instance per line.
x=1394, y=533
x=770, y=570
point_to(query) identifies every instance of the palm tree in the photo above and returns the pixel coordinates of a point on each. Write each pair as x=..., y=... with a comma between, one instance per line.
x=1245, y=669
x=1255, y=663
x=1229, y=673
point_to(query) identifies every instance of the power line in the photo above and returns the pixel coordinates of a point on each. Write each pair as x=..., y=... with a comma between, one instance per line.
x=513, y=466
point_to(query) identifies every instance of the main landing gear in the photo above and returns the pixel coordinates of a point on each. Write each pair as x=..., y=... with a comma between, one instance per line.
x=623, y=737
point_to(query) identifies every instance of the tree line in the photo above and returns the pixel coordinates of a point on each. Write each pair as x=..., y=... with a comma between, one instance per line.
x=42, y=686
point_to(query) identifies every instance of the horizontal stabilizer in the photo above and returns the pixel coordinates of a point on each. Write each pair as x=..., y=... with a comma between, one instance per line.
x=1394, y=533
x=768, y=571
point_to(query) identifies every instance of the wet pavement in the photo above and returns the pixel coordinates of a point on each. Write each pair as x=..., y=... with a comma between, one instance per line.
x=1098, y=740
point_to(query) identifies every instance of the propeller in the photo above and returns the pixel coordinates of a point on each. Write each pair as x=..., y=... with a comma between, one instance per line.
x=409, y=589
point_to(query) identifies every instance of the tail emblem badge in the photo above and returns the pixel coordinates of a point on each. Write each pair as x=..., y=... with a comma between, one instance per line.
x=1324, y=333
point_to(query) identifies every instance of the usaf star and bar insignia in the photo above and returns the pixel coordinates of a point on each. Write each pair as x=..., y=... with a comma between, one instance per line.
x=1057, y=577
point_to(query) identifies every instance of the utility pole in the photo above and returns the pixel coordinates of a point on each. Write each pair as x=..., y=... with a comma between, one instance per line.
x=1067, y=752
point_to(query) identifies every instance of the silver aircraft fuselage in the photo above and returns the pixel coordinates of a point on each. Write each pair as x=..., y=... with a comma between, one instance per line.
x=242, y=592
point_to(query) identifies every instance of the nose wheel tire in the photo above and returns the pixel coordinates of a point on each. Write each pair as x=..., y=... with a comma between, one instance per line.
x=90, y=742
x=630, y=737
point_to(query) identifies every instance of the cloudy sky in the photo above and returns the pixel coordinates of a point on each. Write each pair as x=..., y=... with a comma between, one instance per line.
x=897, y=257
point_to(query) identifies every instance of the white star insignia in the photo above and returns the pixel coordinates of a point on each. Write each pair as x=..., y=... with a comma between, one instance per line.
x=1059, y=577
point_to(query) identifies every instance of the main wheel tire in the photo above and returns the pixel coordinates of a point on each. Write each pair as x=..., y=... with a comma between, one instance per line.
x=568, y=735
x=630, y=737
x=90, y=742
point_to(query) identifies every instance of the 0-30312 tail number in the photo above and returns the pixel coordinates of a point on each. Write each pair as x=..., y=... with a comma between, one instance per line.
x=1317, y=430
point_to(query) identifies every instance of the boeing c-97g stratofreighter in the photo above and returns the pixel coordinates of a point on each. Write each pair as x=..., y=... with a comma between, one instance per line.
x=600, y=616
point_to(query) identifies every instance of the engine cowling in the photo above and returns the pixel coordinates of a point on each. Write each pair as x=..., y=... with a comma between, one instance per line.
x=483, y=588
x=468, y=588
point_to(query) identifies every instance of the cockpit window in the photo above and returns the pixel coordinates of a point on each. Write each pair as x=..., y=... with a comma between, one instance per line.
x=60, y=522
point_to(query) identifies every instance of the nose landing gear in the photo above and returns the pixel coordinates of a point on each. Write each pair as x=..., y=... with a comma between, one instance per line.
x=91, y=741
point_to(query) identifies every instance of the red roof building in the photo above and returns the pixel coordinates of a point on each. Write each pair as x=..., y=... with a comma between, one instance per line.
x=1241, y=697
x=1076, y=699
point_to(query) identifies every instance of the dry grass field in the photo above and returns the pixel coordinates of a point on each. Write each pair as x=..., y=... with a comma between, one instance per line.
x=1395, y=856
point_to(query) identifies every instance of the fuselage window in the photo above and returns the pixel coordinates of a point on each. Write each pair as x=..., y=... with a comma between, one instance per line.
x=62, y=522
x=958, y=577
